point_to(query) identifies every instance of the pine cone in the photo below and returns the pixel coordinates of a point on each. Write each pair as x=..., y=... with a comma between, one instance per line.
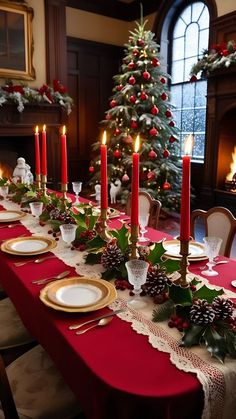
x=156, y=281
x=222, y=307
x=112, y=255
x=54, y=214
x=143, y=252
x=202, y=313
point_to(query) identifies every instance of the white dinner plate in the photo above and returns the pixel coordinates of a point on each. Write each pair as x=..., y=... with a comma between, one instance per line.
x=76, y=295
x=32, y=245
x=6, y=216
x=196, y=250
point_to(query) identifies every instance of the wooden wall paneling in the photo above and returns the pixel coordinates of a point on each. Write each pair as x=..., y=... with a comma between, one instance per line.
x=224, y=28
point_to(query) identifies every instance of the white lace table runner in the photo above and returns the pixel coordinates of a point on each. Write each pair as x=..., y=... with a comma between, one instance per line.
x=218, y=381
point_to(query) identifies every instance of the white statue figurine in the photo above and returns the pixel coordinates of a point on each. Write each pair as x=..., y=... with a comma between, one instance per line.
x=114, y=190
x=97, y=188
x=22, y=172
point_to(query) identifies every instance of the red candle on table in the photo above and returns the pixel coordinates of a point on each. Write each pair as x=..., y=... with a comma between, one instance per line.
x=37, y=152
x=44, y=151
x=104, y=193
x=63, y=157
x=135, y=185
x=185, y=193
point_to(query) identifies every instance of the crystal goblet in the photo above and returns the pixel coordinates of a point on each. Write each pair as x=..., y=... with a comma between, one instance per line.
x=36, y=208
x=77, y=186
x=137, y=275
x=143, y=221
x=68, y=232
x=212, y=248
x=4, y=190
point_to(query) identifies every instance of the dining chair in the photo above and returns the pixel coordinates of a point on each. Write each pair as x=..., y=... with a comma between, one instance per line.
x=218, y=222
x=147, y=205
x=31, y=387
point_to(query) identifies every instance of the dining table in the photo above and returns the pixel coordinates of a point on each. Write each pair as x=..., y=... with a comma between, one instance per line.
x=122, y=370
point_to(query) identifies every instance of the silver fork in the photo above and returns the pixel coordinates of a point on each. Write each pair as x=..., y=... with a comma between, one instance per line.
x=11, y=225
x=39, y=260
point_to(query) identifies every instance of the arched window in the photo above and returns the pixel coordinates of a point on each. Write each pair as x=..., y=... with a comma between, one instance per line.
x=188, y=37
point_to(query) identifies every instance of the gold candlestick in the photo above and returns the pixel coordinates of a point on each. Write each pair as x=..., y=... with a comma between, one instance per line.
x=64, y=189
x=38, y=181
x=182, y=280
x=102, y=225
x=44, y=185
x=134, y=241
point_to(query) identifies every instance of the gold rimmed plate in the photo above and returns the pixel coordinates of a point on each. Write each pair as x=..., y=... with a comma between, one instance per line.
x=111, y=212
x=27, y=246
x=196, y=250
x=107, y=297
x=11, y=215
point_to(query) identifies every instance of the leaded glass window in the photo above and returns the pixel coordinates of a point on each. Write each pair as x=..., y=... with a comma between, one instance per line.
x=189, y=39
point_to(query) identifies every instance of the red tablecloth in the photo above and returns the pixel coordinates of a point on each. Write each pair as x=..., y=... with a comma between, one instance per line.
x=114, y=371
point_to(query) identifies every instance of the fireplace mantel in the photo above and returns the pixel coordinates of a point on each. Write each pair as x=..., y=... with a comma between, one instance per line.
x=22, y=124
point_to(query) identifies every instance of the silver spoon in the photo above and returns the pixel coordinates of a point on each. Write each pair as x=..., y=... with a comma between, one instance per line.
x=11, y=225
x=51, y=278
x=102, y=322
x=39, y=260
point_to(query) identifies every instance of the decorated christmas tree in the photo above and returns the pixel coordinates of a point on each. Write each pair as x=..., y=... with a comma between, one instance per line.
x=141, y=105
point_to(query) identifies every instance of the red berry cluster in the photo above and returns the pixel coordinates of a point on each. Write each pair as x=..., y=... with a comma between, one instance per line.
x=123, y=284
x=178, y=322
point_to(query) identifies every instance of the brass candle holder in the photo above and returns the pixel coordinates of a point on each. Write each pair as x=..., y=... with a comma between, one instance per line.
x=64, y=189
x=38, y=182
x=134, y=241
x=182, y=280
x=44, y=185
x=102, y=225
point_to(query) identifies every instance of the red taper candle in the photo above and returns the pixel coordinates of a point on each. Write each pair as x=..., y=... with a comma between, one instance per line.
x=104, y=193
x=37, y=151
x=63, y=157
x=44, y=151
x=185, y=193
x=135, y=185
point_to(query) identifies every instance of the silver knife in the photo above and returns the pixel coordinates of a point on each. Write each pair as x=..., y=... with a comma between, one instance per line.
x=112, y=313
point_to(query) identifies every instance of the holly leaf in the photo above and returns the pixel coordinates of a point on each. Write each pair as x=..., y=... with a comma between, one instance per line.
x=192, y=335
x=156, y=253
x=96, y=243
x=170, y=265
x=110, y=274
x=80, y=219
x=215, y=344
x=195, y=281
x=180, y=295
x=79, y=230
x=122, y=237
x=93, y=258
x=92, y=221
x=230, y=338
x=207, y=294
x=163, y=312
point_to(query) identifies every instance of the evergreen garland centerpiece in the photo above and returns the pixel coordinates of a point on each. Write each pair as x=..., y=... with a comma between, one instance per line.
x=141, y=105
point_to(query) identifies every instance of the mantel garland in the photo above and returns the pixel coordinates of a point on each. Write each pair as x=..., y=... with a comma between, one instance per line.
x=220, y=56
x=22, y=95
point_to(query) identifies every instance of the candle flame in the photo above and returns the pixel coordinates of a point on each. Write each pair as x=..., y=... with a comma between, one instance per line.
x=44, y=127
x=137, y=144
x=104, y=138
x=232, y=166
x=36, y=129
x=188, y=144
x=63, y=130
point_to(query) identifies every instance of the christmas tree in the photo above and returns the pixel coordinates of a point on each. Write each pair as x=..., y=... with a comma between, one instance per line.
x=140, y=105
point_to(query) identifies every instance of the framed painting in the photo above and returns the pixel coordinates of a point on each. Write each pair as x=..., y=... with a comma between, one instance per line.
x=16, y=40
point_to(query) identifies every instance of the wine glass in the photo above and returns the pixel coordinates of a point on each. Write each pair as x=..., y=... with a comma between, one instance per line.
x=36, y=208
x=212, y=248
x=4, y=190
x=143, y=221
x=137, y=275
x=77, y=186
x=68, y=232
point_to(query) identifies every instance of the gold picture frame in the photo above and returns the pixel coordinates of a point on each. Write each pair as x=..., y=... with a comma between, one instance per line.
x=16, y=40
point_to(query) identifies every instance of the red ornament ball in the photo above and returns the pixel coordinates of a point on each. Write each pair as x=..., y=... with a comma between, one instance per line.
x=131, y=65
x=172, y=123
x=166, y=186
x=136, y=52
x=163, y=80
x=119, y=88
x=113, y=103
x=164, y=96
x=154, y=110
x=193, y=79
x=172, y=139
x=146, y=75
x=133, y=124
x=128, y=139
x=155, y=62
x=132, y=99
x=166, y=153
x=117, y=131
x=140, y=42
x=125, y=178
x=91, y=169
x=143, y=96
x=168, y=113
x=151, y=176
x=108, y=117
x=153, y=131
x=117, y=153
x=132, y=80
x=152, y=154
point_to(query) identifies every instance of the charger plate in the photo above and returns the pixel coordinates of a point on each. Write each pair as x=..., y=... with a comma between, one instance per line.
x=6, y=216
x=196, y=250
x=104, y=301
x=27, y=246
